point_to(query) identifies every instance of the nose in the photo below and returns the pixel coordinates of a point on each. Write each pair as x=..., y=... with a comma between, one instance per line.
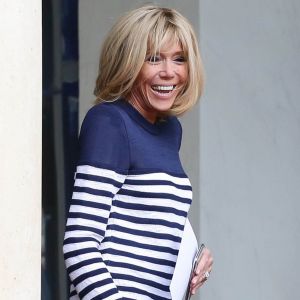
x=167, y=69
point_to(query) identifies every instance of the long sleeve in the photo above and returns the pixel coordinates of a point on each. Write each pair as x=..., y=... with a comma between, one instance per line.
x=101, y=171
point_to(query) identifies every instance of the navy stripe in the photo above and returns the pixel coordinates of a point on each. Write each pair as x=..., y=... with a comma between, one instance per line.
x=141, y=280
x=162, y=236
x=98, y=284
x=90, y=204
x=167, y=196
x=84, y=189
x=87, y=275
x=141, y=292
x=84, y=263
x=143, y=258
x=87, y=217
x=106, y=294
x=146, y=221
x=143, y=246
x=73, y=240
x=157, y=182
x=77, y=252
x=73, y=293
x=139, y=268
x=143, y=207
x=84, y=228
x=147, y=171
x=100, y=179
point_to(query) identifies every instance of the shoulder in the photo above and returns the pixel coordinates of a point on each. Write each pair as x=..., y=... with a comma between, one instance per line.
x=103, y=138
x=103, y=113
x=176, y=124
x=103, y=119
x=176, y=129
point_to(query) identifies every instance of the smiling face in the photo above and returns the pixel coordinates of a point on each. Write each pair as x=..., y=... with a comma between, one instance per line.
x=160, y=81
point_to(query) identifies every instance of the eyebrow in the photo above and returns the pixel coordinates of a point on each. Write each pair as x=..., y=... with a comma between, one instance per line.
x=166, y=52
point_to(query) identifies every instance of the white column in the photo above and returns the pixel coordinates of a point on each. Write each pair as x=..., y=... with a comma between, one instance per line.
x=20, y=150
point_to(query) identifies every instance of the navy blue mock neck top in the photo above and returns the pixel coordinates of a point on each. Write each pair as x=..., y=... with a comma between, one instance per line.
x=129, y=206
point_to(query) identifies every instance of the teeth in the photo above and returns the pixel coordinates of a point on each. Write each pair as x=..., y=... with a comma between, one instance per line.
x=163, y=87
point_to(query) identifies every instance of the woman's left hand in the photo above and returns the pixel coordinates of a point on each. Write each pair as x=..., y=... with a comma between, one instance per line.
x=203, y=270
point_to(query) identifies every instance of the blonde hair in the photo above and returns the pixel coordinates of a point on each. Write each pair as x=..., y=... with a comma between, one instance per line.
x=137, y=33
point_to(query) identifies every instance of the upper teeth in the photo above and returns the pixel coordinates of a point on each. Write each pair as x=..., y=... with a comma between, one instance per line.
x=163, y=87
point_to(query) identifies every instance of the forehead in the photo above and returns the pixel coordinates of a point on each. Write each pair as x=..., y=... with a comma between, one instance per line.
x=164, y=41
x=170, y=48
x=167, y=47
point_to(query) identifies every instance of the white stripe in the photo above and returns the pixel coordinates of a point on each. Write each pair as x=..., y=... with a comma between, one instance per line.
x=86, y=169
x=142, y=239
x=107, y=187
x=147, y=227
x=169, y=216
x=145, y=287
x=160, y=176
x=90, y=197
x=89, y=210
x=77, y=246
x=139, y=251
x=86, y=269
x=138, y=262
x=135, y=296
x=139, y=274
x=159, y=189
x=81, y=234
x=103, y=289
x=86, y=223
x=81, y=285
x=79, y=258
x=162, y=202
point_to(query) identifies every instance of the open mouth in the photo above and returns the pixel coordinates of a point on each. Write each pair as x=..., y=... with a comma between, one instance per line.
x=164, y=89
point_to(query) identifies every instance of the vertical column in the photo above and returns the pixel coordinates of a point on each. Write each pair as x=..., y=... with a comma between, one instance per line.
x=249, y=148
x=20, y=150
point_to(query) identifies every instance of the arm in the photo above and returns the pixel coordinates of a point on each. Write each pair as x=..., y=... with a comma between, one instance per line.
x=100, y=174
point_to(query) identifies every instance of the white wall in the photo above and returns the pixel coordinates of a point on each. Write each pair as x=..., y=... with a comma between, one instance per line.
x=250, y=148
x=20, y=150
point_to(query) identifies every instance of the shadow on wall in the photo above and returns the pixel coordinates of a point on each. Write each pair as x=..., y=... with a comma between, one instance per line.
x=60, y=129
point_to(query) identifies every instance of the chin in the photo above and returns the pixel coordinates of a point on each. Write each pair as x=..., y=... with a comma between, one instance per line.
x=162, y=105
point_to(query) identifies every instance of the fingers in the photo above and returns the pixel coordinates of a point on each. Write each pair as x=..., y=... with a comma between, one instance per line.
x=198, y=281
x=203, y=270
x=205, y=261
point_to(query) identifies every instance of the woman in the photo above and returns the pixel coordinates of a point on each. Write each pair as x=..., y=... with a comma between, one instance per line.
x=131, y=196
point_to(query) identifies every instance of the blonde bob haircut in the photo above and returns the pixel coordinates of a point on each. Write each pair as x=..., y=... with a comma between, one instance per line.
x=141, y=32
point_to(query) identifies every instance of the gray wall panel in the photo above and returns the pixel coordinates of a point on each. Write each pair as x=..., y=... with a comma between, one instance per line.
x=249, y=148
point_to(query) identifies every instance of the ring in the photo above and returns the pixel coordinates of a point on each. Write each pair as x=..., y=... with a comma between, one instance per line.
x=206, y=275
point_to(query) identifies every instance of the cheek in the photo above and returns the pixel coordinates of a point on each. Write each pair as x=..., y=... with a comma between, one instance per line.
x=184, y=75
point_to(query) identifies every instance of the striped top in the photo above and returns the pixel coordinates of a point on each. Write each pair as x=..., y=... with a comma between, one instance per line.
x=129, y=205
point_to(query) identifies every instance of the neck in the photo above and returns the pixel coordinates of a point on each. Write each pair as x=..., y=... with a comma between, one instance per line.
x=150, y=116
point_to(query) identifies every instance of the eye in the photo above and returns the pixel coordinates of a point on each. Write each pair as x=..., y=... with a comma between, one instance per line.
x=153, y=59
x=180, y=59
